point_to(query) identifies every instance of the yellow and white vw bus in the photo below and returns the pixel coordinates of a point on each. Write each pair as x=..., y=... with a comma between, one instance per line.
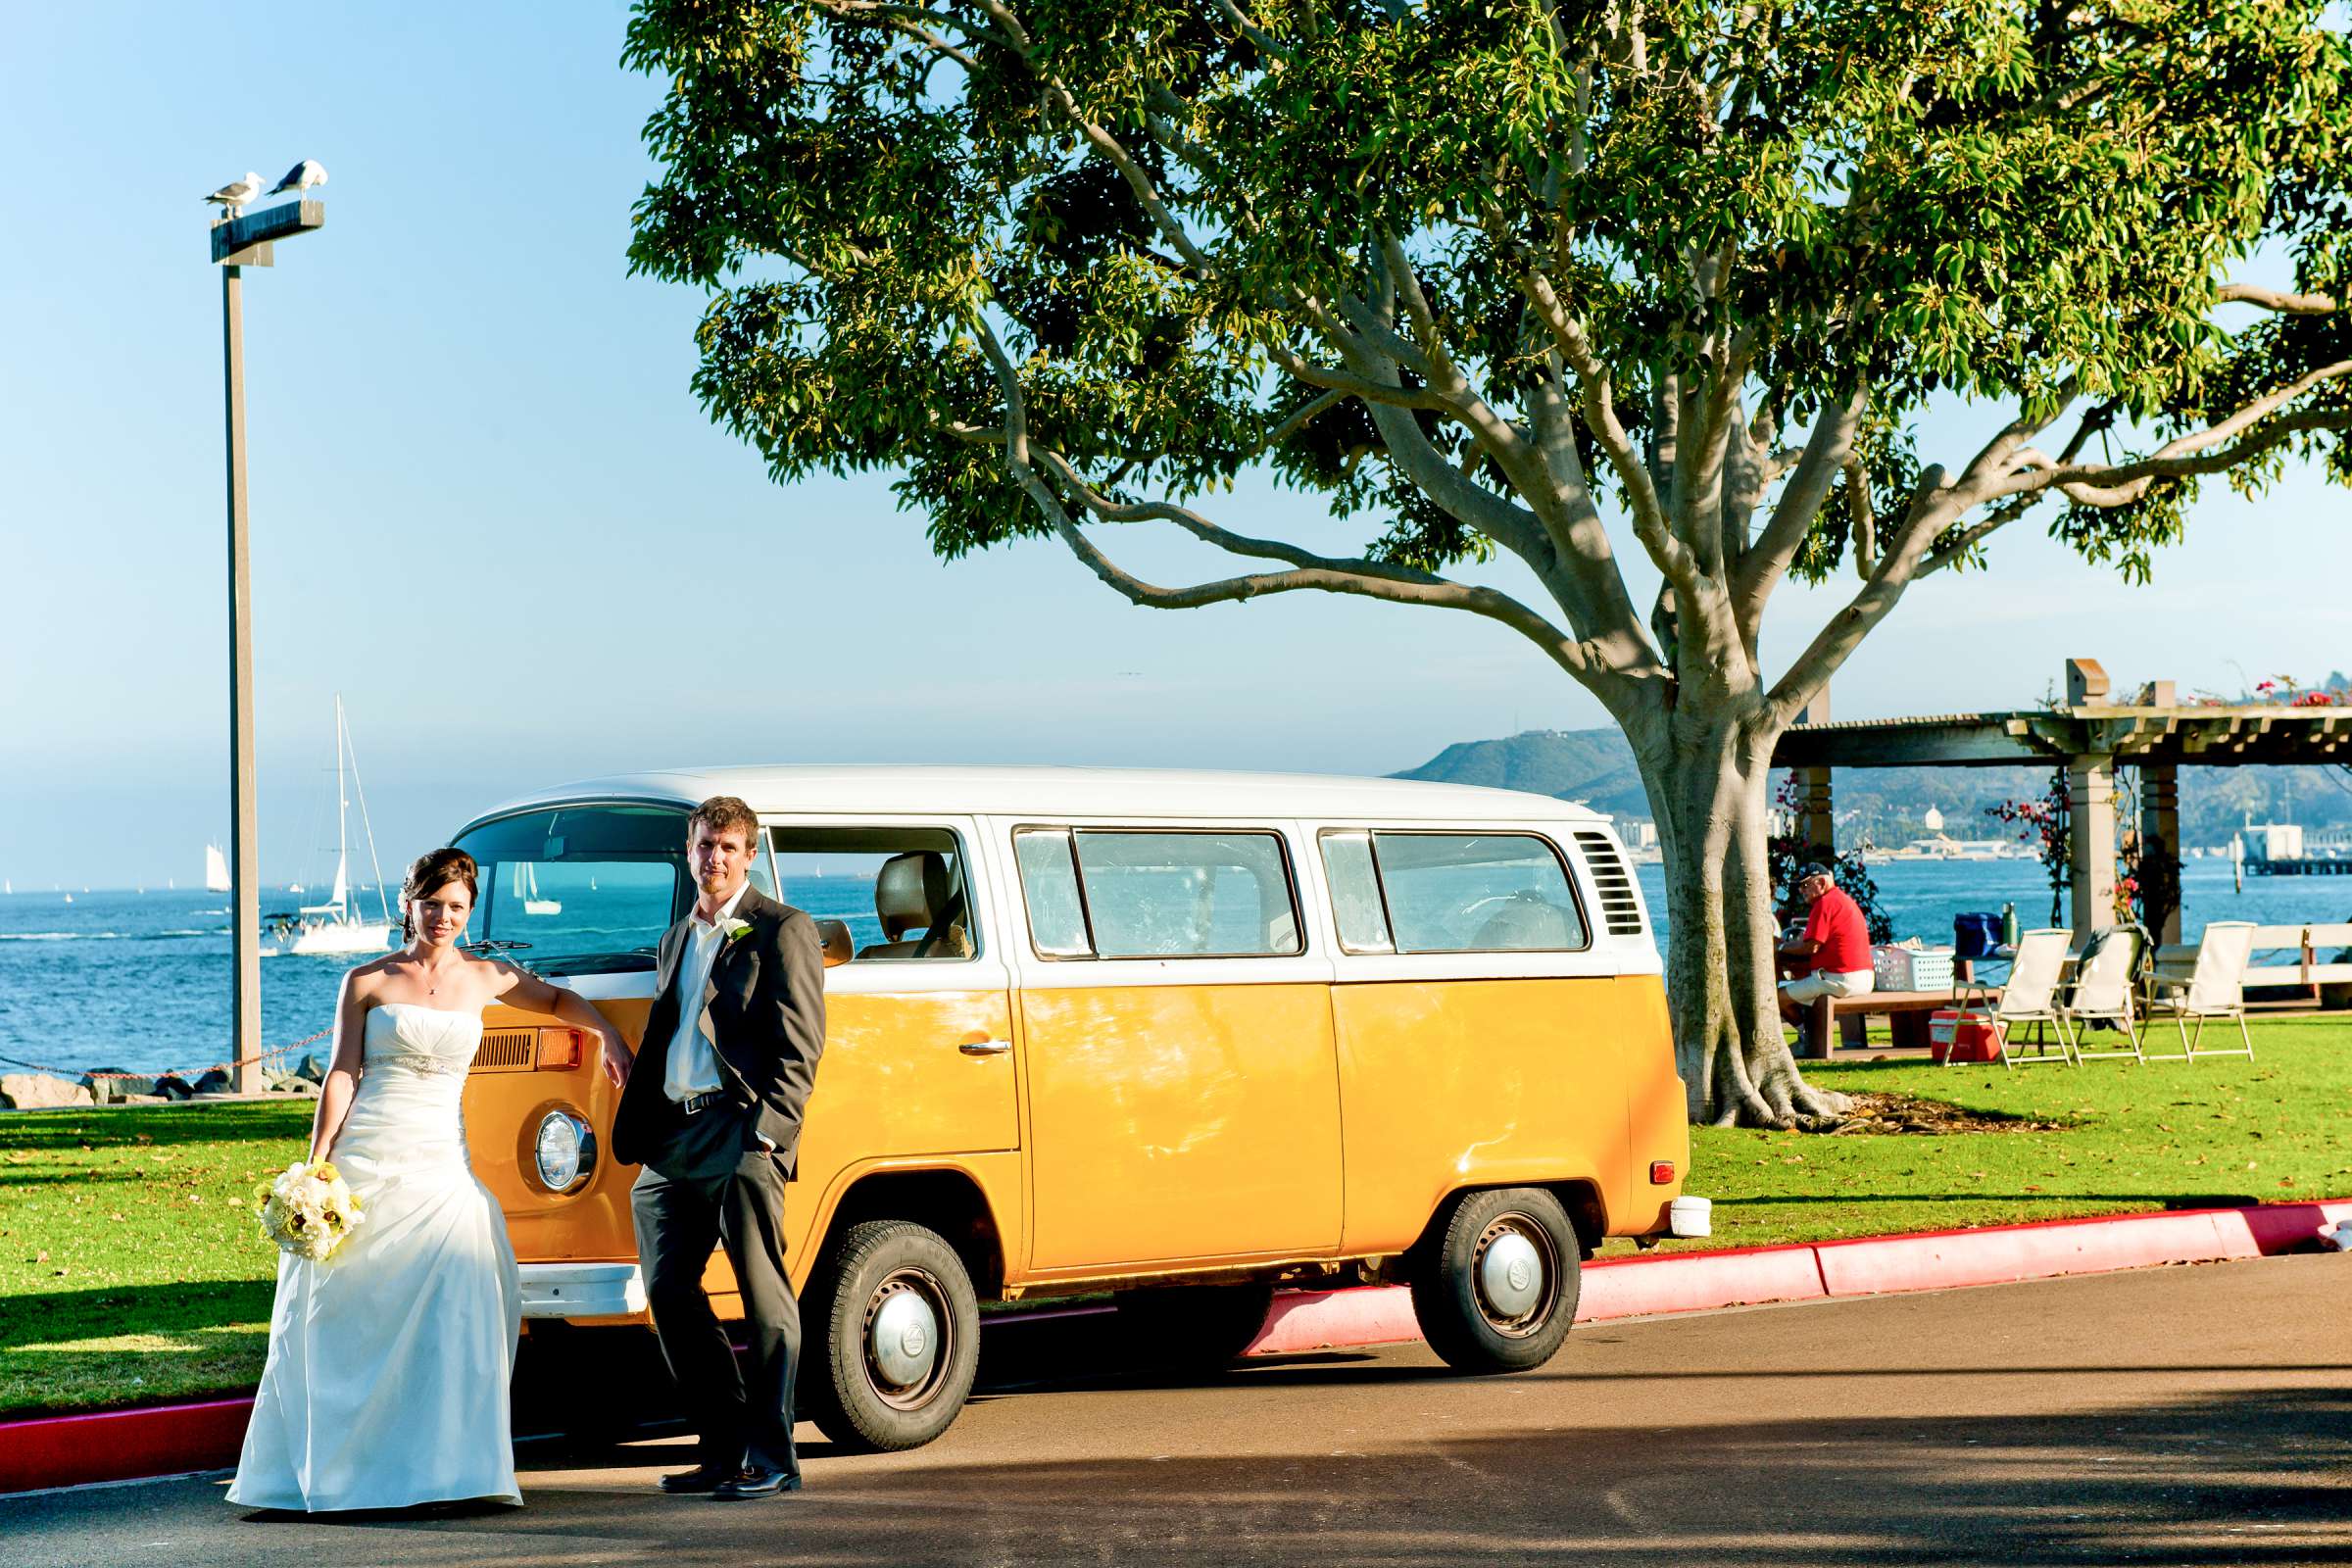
x=1186, y=1037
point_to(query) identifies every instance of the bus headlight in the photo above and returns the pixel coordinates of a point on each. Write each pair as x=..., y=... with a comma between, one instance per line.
x=563, y=1150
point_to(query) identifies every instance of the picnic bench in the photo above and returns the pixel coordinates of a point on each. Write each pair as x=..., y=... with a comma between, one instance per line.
x=1907, y=1013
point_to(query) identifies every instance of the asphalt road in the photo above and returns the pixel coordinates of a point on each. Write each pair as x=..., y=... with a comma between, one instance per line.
x=2173, y=1416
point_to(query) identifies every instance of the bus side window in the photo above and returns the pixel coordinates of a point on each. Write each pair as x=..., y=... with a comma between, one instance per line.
x=1355, y=893
x=1050, y=889
x=1161, y=892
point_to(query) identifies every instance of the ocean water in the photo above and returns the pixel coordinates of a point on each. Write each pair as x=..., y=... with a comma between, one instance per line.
x=139, y=981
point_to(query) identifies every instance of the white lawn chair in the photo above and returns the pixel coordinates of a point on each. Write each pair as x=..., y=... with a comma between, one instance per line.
x=2216, y=989
x=2103, y=990
x=2032, y=995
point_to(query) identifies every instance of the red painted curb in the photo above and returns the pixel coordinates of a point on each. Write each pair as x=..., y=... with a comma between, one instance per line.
x=118, y=1445
x=1873, y=1265
x=66, y=1450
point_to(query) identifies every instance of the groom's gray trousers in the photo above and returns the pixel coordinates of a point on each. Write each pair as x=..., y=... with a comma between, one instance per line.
x=698, y=1192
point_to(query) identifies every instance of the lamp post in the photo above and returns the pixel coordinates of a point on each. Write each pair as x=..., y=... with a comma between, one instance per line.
x=239, y=243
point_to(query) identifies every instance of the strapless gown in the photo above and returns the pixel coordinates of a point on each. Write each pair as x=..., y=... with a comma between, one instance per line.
x=386, y=1383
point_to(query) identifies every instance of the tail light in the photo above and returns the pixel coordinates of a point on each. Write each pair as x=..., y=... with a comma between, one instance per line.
x=1661, y=1173
x=559, y=1047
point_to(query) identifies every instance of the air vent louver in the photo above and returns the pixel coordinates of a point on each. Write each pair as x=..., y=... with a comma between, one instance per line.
x=506, y=1050
x=1620, y=908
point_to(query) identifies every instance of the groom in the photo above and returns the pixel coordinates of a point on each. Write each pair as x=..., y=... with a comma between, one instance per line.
x=712, y=1109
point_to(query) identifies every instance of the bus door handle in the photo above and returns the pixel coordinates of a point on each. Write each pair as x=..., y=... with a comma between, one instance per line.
x=985, y=1048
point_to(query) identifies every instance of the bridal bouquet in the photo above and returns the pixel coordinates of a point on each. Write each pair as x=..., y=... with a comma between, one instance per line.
x=308, y=1211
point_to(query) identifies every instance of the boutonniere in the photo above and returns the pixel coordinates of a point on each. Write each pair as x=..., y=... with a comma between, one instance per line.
x=737, y=930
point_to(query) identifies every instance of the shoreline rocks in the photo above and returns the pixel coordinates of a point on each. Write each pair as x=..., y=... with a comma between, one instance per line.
x=40, y=1091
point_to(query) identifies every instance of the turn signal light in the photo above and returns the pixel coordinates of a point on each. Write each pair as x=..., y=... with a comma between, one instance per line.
x=559, y=1047
x=1661, y=1173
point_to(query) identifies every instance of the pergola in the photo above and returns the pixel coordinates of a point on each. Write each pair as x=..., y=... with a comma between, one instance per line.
x=2090, y=737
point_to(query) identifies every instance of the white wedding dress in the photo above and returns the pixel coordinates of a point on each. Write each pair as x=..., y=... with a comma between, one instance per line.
x=386, y=1383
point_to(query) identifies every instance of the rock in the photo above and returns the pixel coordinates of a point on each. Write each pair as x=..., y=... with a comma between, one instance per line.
x=311, y=1067
x=108, y=1085
x=287, y=1083
x=171, y=1086
x=214, y=1081
x=39, y=1091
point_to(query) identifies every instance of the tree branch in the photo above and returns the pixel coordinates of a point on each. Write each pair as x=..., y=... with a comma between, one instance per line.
x=1597, y=407
x=1932, y=504
x=1760, y=566
x=2278, y=300
x=2097, y=484
x=1865, y=517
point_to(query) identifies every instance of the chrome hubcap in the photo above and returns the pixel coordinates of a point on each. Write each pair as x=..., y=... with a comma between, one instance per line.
x=1517, y=1275
x=905, y=1344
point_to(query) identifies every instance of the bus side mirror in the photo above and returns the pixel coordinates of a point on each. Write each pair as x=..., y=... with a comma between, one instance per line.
x=836, y=937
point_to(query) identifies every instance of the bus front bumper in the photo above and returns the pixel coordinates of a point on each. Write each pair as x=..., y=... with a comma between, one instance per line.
x=582, y=1290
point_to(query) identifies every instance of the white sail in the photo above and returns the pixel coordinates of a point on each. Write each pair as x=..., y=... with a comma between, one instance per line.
x=215, y=870
x=526, y=886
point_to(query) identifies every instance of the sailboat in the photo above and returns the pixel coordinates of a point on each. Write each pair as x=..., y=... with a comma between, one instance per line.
x=334, y=927
x=526, y=887
x=215, y=870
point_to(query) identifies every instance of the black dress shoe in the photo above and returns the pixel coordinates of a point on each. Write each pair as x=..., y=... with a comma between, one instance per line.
x=702, y=1477
x=755, y=1481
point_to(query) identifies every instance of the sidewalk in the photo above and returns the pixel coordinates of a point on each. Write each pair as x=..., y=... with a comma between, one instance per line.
x=116, y=1445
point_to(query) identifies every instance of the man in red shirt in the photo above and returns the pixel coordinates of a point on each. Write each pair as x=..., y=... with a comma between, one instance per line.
x=1835, y=947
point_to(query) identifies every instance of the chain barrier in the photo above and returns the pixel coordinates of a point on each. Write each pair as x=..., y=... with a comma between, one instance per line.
x=273, y=1057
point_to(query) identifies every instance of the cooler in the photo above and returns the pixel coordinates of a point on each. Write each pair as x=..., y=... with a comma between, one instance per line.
x=1955, y=1034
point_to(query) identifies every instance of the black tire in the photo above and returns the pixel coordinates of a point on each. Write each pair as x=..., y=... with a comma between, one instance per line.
x=843, y=1386
x=1192, y=1328
x=1459, y=1317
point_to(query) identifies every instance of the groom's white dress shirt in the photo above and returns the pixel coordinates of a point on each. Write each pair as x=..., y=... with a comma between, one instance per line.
x=692, y=1067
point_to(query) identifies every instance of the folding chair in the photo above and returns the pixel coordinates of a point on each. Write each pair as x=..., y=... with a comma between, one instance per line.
x=2029, y=997
x=2103, y=990
x=2032, y=995
x=2216, y=989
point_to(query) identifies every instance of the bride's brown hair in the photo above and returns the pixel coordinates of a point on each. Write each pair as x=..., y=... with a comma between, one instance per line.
x=428, y=874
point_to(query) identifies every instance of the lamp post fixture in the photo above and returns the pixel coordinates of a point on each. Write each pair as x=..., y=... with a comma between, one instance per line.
x=239, y=243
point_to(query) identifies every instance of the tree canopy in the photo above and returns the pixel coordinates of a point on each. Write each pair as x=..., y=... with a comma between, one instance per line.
x=1474, y=273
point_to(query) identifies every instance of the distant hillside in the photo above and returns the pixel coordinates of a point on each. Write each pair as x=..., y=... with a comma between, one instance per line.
x=1887, y=805
x=1593, y=766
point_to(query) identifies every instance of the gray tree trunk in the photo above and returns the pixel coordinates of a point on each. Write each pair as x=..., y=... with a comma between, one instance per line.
x=1708, y=767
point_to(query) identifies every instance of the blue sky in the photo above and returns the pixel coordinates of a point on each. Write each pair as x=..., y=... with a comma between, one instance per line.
x=487, y=510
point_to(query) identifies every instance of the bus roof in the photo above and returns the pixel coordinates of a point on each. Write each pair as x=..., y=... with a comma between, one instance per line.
x=1076, y=792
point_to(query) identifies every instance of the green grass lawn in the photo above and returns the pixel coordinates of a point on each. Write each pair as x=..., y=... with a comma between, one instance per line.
x=130, y=1269
x=2133, y=1138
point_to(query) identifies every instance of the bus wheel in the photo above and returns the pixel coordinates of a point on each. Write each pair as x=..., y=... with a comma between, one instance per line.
x=898, y=1340
x=1197, y=1328
x=1497, y=1289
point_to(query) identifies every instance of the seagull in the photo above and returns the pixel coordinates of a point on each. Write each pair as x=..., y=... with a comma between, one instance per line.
x=301, y=177
x=236, y=193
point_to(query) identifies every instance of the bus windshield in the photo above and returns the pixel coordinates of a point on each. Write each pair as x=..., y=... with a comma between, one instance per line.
x=581, y=889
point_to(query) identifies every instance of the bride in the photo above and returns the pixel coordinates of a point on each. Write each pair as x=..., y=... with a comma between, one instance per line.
x=386, y=1380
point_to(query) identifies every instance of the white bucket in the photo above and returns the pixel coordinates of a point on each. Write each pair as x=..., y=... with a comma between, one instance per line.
x=1690, y=1217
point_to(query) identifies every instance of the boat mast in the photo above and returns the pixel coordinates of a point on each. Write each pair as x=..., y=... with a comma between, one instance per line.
x=359, y=785
x=342, y=895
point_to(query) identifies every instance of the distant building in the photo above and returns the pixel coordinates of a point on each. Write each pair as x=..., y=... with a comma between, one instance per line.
x=1932, y=821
